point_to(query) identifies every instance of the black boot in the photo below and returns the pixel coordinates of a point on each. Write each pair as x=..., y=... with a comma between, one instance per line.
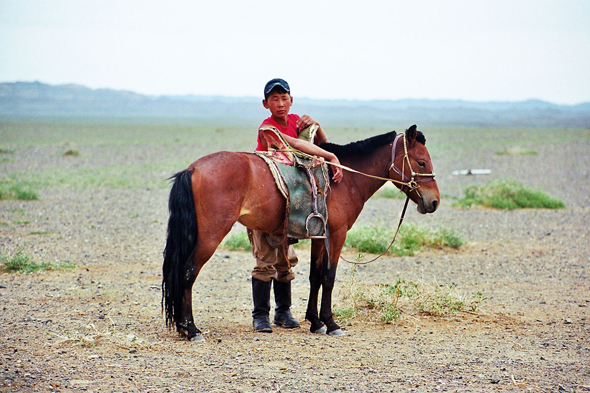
x=261, y=297
x=283, y=315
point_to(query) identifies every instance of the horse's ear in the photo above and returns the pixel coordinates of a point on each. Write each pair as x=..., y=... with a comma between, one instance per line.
x=411, y=134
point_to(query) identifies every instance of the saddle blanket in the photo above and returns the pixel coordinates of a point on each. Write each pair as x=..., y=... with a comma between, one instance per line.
x=304, y=182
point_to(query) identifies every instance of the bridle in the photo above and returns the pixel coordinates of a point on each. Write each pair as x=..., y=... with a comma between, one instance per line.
x=408, y=185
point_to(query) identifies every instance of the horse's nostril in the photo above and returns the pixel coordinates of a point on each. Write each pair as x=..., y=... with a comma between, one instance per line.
x=435, y=204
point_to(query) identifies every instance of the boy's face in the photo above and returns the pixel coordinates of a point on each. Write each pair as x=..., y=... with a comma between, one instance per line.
x=279, y=104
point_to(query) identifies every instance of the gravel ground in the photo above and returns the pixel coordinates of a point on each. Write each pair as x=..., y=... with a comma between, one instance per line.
x=98, y=327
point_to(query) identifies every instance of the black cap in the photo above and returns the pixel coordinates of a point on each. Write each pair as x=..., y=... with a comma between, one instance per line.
x=274, y=83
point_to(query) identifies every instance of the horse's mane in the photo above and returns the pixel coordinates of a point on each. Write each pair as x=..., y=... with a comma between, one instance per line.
x=366, y=146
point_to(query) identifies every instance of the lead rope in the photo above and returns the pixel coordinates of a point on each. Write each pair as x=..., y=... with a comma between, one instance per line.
x=401, y=219
x=305, y=155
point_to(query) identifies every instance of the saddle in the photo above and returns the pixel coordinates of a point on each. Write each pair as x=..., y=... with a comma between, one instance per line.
x=302, y=179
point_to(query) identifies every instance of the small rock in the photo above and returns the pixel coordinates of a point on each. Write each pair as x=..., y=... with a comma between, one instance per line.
x=133, y=350
x=568, y=321
x=495, y=381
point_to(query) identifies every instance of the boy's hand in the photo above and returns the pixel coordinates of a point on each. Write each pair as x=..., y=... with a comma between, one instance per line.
x=305, y=121
x=336, y=170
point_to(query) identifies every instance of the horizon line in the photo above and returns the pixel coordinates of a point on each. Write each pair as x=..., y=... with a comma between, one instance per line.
x=532, y=99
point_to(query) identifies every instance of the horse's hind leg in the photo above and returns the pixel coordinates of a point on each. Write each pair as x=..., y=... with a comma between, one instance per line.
x=207, y=243
x=186, y=325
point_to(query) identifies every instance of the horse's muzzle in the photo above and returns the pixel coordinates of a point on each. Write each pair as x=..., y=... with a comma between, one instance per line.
x=427, y=206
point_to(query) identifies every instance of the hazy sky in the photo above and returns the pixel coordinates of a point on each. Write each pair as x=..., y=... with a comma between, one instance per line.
x=474, y=50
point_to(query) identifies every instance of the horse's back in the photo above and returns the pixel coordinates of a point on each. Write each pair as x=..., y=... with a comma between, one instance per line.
x=240, y=186
x=221, y=160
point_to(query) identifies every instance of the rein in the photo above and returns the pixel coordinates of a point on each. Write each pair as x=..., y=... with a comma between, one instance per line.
x=401, y=219
x=408, y=185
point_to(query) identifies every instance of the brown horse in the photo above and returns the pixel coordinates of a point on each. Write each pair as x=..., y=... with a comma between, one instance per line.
x=223, y=188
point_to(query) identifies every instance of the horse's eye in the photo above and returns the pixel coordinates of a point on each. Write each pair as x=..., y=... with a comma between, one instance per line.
x=421, y=164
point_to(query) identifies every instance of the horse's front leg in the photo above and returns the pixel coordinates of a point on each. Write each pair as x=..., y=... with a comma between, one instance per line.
x=326, y=307
x=328, y=277
x=318, y=253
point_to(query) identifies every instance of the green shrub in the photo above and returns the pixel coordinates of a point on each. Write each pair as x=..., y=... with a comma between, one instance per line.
x=508, y=195
x=374, y=240
x=4, y=160
x=369, y=239
x=10, y=189
x=411, y=238
x=303, y=243
x=22, y=263
x=388, y=192
x=345, y=314
x=389, y=302
x=72, y=153
x=237, y=242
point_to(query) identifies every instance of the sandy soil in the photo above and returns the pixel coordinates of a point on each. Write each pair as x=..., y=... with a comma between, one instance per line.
x=99, y=327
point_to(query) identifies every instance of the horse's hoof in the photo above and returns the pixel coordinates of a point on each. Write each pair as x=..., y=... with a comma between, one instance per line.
x=198, y=338
x=321, y=330
x=337, y=332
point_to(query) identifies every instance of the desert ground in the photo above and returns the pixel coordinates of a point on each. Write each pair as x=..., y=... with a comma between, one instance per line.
x=98, y=327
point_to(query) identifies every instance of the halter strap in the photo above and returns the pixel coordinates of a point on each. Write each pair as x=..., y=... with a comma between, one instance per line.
x=410, y=183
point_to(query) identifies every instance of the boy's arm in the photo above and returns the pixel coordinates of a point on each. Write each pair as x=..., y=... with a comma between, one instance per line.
x=312, y=149
x=320, y=136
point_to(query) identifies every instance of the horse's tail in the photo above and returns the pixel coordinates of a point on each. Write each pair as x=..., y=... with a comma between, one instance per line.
x=180, y=246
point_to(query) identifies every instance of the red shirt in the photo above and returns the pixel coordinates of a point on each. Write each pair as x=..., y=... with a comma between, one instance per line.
x=290, y=130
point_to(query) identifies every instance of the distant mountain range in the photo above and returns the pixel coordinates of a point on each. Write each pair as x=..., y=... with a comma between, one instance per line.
x=43, y=100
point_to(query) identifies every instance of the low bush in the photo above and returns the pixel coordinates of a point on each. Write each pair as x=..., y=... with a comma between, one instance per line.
x=389, y=302
x=11, y=189
x=72, y=153
x=411, y=238
x=22, y=263
x=508, y=195
x=374, y=240
x=237, y=242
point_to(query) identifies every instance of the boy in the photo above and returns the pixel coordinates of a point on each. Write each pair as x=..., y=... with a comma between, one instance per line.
x=271, y=264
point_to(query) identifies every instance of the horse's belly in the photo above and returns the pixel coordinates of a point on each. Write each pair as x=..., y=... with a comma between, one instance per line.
x=264, y=207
